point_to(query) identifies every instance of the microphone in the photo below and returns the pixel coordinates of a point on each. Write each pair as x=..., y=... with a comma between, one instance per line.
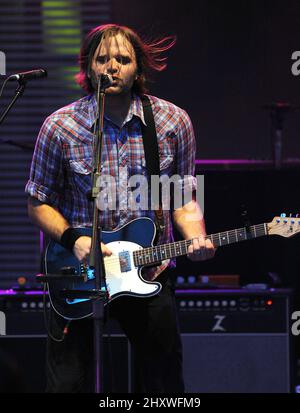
x=105, y=80
x=32, y=74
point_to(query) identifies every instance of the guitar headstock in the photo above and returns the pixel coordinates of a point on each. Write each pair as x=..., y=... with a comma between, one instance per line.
x=284, y=226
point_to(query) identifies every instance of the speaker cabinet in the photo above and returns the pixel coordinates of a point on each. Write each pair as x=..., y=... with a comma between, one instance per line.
x=28, y=356
x=235, y=341
x=236, y=363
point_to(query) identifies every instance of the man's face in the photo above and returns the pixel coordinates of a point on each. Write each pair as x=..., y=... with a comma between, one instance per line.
x=116, y=57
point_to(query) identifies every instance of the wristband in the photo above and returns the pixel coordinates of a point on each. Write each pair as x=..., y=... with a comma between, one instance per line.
x=69, y=238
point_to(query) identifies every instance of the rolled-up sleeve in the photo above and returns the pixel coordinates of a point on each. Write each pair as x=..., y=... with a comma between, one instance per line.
x=46, y=172
x=186, y=151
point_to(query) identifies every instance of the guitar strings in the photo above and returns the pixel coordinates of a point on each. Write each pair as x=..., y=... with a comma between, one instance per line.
x=228, y=237
x=148, y=252
x=215, y=237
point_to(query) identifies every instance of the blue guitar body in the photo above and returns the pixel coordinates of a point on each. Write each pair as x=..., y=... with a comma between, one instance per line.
x=123, y=274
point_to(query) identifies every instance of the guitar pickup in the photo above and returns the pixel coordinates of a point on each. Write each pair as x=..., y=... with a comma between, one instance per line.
x=125, y=264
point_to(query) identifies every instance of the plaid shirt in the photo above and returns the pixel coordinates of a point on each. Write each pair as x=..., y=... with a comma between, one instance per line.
x=62, y=162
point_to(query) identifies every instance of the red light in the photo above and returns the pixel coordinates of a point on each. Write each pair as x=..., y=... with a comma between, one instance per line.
x=269, y=302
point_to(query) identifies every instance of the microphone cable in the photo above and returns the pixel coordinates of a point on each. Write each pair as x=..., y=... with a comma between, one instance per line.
x=48, y=319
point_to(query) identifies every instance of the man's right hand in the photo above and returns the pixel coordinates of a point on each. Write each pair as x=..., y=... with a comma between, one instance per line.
x=82, y=248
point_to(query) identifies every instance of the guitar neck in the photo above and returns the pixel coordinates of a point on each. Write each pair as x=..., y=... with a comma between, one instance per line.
x=152, y=255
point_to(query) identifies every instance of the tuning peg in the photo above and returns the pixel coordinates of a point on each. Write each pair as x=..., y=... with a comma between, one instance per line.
x=283, y=215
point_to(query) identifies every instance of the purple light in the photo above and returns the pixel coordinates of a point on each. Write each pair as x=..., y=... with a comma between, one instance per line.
x=20, y=292
x=41, y=241
x=266, y=162
x=232, y=161
x=233, y=291
x=8, y=292
x=205, y=291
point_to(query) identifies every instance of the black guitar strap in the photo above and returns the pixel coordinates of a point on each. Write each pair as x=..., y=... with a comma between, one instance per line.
x=152, y=155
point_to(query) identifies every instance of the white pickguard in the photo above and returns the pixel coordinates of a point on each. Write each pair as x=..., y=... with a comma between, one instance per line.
x=129, y=282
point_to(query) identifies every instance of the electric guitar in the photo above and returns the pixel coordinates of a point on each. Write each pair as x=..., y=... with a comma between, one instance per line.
x=132, y=247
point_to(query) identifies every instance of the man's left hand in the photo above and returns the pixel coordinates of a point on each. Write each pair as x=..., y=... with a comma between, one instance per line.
x=201, y=249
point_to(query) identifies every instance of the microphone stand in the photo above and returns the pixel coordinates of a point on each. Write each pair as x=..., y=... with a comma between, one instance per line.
x=96, y=256
x=18, y=92
x=277, y=112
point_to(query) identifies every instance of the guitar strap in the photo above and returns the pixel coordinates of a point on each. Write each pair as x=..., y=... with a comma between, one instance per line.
x=152, y=157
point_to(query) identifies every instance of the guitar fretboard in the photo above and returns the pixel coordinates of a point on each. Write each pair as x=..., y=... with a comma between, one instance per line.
x=152, y=255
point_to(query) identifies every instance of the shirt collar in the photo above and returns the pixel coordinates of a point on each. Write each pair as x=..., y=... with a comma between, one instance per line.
x=135, y=109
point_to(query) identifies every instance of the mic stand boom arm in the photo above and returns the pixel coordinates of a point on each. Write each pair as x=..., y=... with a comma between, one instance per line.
x=18, y=92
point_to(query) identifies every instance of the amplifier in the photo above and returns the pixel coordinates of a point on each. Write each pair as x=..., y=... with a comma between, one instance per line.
x=23, y=311
x=25, y=343
x=236, y=341
x=234, y=311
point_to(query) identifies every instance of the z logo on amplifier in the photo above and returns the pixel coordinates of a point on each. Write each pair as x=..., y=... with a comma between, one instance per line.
x=218, y=325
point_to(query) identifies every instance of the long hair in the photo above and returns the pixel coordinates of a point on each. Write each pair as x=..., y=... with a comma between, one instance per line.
x=149, y=54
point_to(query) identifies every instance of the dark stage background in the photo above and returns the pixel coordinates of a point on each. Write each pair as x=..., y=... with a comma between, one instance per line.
x=231, y=59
